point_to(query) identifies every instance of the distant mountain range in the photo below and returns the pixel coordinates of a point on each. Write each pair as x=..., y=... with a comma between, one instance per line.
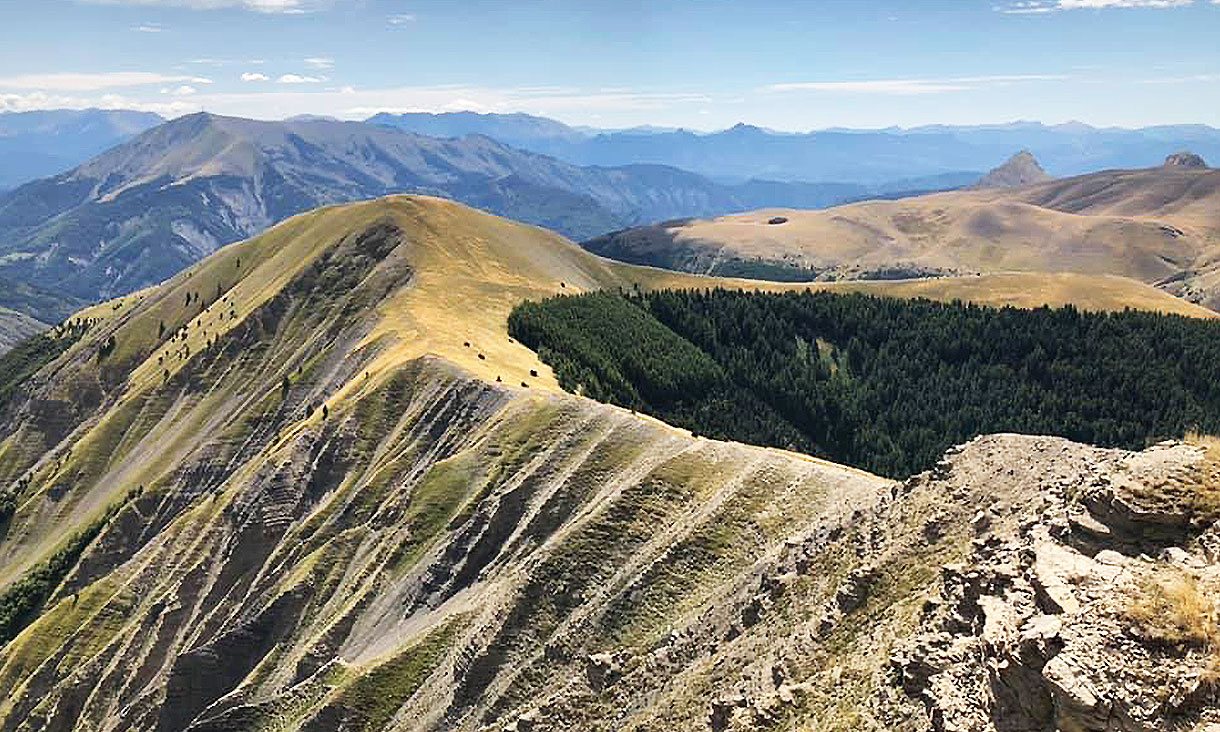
x=864, y=157
x=148, y=208
x=168, y=196
x=38, y=144
x=881, y=162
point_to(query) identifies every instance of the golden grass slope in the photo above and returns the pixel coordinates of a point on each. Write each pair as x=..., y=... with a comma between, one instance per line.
x=1156, y=226
x=308, y=499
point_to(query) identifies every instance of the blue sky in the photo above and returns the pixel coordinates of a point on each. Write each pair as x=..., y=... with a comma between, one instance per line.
x=702, y=64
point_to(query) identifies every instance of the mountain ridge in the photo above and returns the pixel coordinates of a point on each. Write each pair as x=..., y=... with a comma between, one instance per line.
x=866, y=156
x=324, y=491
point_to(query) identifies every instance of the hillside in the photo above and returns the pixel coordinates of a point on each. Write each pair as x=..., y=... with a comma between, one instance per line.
x=1159, y=226
x=46, y=142
x=16, y=327
x=311, y=484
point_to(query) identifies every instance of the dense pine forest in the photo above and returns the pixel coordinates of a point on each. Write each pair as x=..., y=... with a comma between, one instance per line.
x=881, y=383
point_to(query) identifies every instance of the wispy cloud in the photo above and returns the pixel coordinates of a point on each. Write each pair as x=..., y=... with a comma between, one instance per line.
x=93, y=81
x=1185, y=79
x=910, y=87
x=407, y=18
x=185, y=90
x=298, y=79
x=1037, y=7
x=249, y=76
x=258, y=6
x=148, y=28
x=167, y=106
x=219, y=62
x=320, y=62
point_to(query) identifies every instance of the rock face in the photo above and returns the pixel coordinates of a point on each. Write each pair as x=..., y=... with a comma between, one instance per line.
x=1018, y=171
x=1047, y=624
x=1186, y=160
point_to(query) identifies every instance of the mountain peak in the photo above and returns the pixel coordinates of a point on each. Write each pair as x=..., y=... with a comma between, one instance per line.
x=1185, y=159
x=1018, y=171
x=741, y=128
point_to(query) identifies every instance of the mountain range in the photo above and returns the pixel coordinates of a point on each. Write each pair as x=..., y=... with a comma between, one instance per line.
x=42, y=143
x=882, y=162
x=154, y=204
x=145, y=209
x=960, y=154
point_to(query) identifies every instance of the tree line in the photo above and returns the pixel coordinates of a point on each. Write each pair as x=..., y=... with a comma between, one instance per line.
x=882, y=383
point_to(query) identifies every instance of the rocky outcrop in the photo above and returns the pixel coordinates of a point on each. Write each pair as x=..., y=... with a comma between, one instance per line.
x=1043, y=627
x=1018, y=171
x=1187, y=160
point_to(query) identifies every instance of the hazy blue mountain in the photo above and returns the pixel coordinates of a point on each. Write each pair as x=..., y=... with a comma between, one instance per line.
x=528, y=132
x=875, y=158
x=38, y=144
x=142, y=211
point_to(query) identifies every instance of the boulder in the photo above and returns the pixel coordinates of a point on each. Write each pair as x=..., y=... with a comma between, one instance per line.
x=1186, y=160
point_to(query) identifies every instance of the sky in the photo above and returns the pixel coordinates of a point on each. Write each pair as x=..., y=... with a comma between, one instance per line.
x=699, y=64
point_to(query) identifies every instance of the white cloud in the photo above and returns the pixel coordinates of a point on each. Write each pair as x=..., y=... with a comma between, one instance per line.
x=258, y=6
x=148, y=28
x=298, y=79
x=255, y=77
x=354, y=103
x=42, y=100
x=93, y=81
x=1031, y=7
x=219, y=62
x=407, y=18
x=183, y=91
x=909, y=87
x=1187, y=79
x=320, y=62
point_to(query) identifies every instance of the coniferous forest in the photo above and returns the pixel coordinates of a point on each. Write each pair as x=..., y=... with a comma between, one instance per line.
x=881, y=383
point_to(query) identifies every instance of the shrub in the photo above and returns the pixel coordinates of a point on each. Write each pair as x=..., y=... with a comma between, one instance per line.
x=1171, y=610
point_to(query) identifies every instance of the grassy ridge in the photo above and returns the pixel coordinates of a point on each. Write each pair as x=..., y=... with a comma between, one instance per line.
x=881, y=383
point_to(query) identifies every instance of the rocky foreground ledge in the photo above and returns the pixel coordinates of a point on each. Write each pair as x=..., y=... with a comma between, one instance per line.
x=1086, y=604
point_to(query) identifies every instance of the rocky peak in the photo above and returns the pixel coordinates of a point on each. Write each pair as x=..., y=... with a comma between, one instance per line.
x=1185, y=159
x=1020, y=170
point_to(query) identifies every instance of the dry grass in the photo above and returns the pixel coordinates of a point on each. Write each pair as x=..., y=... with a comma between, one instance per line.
x=1104, y=224
x=1173, y=610
x=1204, y=495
